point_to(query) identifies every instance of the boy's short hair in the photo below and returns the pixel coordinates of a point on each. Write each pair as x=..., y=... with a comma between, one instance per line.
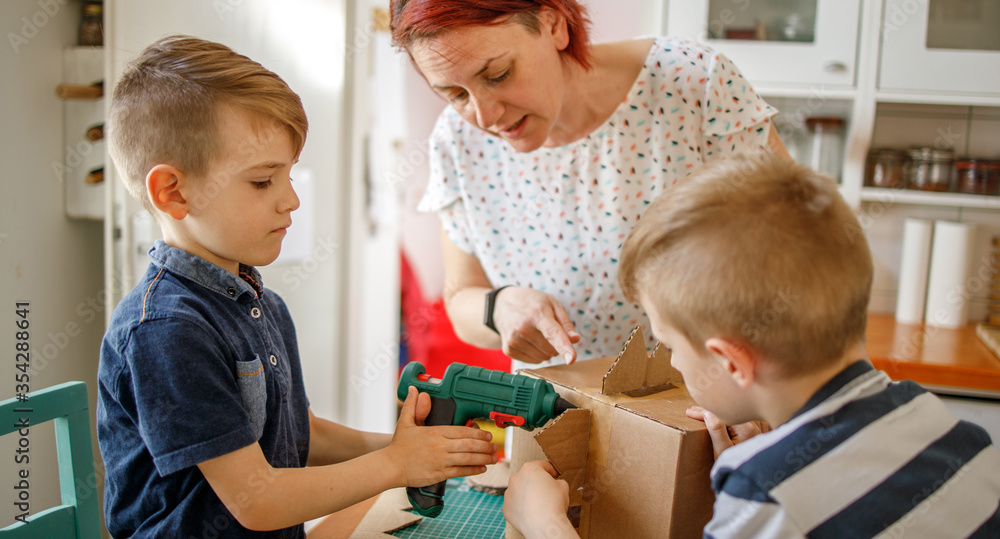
x=758, y=249
x=167, y=105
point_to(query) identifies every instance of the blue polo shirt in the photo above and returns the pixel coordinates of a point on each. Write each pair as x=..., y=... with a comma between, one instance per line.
x=196, y=363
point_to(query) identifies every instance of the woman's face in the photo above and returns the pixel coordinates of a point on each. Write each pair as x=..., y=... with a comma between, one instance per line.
x=503, y=79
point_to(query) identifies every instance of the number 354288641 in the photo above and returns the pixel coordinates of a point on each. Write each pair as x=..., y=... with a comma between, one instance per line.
x=22, y=347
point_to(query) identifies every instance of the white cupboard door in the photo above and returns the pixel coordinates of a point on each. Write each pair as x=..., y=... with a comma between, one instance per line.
x=935, y=46
x=805, y=44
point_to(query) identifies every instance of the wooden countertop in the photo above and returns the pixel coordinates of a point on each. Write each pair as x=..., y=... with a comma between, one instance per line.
x=932, y=356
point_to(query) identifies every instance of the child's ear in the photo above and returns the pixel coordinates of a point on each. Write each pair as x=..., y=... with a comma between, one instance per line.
x=164, y=184
x=738, y=359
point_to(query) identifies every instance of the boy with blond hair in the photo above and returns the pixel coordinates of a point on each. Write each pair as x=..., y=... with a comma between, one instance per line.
x=202, y=416
x=852, y=454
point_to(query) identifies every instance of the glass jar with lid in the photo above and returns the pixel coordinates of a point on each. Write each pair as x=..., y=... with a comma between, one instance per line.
x=884, y=168
x=91, y=29
x=978, y=176
x=929, y=169
x=797, y=27
x=825, y=147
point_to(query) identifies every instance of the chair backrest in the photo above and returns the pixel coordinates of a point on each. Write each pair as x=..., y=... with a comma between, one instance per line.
x=79, y=515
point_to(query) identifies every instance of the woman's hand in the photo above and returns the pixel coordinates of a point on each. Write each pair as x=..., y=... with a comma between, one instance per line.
x=533, y=326
x=724, y=436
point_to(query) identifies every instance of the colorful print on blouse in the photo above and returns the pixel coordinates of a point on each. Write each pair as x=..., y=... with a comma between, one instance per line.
x=555, y=219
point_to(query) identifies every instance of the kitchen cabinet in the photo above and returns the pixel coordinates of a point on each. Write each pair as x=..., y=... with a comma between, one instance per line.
x=923, y=54
x=947, y=48
x=809, y=43
x=938, y=85
x=922, y=73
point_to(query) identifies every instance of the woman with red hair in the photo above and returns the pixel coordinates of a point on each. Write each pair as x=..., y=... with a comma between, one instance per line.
x=548, y=154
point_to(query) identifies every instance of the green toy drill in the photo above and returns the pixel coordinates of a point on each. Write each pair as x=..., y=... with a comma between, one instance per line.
x=467, y=393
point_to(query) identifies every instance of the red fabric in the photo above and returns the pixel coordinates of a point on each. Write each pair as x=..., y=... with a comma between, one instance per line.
x=429, y=336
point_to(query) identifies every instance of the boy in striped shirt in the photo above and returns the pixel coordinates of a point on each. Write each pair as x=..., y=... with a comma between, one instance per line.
x=756, y=274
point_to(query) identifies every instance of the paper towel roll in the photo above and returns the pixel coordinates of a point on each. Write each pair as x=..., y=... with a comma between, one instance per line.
x=913, y=269
x=947, y=296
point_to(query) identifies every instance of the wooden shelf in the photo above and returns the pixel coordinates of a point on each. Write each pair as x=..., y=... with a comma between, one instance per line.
x=932, y=356
x=924, y=198
x=981, y=100
x=805, y=91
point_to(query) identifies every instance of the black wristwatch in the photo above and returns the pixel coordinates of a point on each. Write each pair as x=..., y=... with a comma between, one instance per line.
x=491, y=300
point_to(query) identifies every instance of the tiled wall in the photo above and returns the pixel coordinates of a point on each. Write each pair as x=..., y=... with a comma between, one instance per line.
x=973, y=131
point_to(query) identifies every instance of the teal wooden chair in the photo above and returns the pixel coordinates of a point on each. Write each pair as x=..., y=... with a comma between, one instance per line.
x=78, y=516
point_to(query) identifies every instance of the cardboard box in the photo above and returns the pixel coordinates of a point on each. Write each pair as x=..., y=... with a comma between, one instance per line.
x=637, y=466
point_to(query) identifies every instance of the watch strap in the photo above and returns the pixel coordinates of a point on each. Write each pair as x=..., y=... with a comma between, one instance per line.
x=491, y=298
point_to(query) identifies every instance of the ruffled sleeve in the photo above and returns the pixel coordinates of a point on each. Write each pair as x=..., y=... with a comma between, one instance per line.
x=735, y=118
x=447, y=174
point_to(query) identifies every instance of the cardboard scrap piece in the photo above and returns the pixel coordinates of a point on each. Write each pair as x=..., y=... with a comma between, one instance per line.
x=628, y=372
x=387, y=515
x=566, y=443
x=493, y=481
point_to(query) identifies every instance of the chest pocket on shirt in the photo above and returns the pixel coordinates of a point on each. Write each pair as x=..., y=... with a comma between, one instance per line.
x=253, y=391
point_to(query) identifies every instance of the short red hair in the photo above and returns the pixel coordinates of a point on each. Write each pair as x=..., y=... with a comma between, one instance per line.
x=413, y=20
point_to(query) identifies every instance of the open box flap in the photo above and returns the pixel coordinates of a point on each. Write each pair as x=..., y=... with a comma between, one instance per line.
x=579, y=376
x=565, y=442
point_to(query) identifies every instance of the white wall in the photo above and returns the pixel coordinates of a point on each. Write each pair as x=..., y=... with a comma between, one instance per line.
x=377, y=93
x=51, y=261
x=420, y=231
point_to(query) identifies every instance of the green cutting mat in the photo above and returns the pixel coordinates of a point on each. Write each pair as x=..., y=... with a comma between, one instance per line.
x=467, y=513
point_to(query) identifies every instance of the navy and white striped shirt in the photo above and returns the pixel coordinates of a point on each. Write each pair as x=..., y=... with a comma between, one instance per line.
x=865, y=457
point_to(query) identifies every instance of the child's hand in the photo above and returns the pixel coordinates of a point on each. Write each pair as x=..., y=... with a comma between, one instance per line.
x=724, y=436
x=427, y=455
x=535, y=502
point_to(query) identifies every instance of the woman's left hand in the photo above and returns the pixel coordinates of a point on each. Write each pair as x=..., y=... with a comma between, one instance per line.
x=534, y=326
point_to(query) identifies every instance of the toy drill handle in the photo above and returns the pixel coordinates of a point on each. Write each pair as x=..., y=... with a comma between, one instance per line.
x=429, y=501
